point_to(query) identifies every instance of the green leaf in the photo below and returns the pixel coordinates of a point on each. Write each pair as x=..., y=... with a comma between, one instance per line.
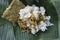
x=28, y=2
x=8, y=32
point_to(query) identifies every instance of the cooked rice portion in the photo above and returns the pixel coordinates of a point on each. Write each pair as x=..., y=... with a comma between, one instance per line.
x=33, y=19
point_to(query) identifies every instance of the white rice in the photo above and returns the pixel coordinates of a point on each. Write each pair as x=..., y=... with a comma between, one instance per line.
x=26, y=13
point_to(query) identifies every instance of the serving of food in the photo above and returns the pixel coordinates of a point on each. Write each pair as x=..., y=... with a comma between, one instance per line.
x=29, y=18
x=33, y=19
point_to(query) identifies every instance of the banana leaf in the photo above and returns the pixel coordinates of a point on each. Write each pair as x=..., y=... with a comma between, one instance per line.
x=10, y=32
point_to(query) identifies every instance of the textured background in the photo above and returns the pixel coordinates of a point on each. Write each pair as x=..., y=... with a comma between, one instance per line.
x=8, y=32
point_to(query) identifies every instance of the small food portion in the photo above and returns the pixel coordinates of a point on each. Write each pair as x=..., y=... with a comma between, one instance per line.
x=33, y=19
x=30, y=18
